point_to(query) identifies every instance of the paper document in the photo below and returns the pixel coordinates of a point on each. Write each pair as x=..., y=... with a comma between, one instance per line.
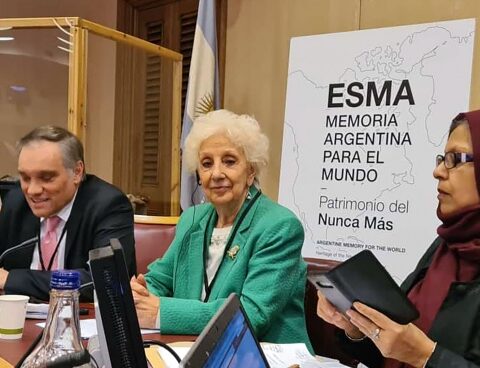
x=286, y=355
x=88, y=328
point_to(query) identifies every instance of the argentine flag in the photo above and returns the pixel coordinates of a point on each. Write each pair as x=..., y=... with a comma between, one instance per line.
x=203, y=89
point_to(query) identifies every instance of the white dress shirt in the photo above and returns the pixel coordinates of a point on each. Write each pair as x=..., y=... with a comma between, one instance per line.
x=64, y=214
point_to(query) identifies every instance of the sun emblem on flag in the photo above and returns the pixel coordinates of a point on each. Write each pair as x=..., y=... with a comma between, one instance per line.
x=205, y=105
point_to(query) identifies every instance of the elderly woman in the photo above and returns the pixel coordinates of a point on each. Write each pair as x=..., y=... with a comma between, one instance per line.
x=238, y=242
x=445, y=285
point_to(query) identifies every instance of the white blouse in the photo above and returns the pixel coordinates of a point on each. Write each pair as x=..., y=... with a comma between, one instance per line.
x=215, y=252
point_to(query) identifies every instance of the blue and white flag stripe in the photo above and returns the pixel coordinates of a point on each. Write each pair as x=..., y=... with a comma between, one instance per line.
x=202, y=83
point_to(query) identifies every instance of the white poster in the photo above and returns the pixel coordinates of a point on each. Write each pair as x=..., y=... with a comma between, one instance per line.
x=366, y=114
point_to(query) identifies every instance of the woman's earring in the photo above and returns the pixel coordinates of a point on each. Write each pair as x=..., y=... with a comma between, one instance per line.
x=249, y=196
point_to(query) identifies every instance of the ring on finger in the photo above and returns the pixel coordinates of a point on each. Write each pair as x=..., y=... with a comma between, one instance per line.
x=375, y=335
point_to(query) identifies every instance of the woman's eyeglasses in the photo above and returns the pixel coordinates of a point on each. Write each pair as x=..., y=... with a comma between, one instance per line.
x=452, y=159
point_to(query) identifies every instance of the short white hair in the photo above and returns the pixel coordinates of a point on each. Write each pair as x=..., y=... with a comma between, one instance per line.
x=242, y=130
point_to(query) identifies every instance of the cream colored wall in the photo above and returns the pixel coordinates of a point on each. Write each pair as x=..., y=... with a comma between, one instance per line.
x=258, y=36
x=44, y=81
x=101, y=72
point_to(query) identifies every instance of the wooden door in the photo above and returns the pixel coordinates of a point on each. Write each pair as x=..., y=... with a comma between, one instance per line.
x=142, y=148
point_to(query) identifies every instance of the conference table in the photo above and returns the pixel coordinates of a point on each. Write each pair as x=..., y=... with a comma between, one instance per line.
x=13, y=350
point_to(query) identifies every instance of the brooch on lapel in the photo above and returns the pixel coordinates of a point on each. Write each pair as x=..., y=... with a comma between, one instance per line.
x=232, y=252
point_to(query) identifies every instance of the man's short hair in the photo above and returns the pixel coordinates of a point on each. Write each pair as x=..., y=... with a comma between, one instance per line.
x=70, y=145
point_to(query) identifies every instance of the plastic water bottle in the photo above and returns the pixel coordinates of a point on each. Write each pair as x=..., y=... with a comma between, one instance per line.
x=61, y=341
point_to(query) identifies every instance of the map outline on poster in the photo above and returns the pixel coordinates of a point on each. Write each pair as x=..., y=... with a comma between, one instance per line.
x=366, y=113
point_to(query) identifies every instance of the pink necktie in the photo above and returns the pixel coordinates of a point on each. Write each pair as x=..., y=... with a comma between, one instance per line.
x=49, y=242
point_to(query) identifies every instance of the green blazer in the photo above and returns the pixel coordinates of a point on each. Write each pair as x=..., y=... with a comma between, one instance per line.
x=267, y=273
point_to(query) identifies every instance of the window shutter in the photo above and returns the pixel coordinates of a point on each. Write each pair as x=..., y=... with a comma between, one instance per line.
x=151, y=121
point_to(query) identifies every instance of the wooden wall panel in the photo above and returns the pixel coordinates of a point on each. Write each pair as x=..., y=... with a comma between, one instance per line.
x=257, y=47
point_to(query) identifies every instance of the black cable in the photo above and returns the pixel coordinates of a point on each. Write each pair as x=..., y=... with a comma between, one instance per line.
x=147, y=344
x=94, y=360
x=86, y=286
x=192, y=196
x=30, y=349
x=194, y=205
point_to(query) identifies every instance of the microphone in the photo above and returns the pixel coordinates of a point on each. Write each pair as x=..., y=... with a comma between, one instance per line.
x=70, y=360
x=25, y=244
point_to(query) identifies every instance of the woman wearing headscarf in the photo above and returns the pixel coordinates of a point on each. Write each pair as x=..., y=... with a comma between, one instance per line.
x=445, y=285
x=239, y=241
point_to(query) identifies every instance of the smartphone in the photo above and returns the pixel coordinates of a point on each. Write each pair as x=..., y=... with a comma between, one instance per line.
x=330, y=292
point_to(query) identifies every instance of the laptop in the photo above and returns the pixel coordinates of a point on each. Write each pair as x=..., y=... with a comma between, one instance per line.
x=227, y=341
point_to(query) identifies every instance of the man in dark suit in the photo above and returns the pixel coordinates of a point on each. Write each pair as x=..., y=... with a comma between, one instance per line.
x=69, y=211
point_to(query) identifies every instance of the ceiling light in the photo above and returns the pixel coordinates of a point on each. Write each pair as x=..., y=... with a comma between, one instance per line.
x=18, y=88
x=7, y=38
x=5, y=28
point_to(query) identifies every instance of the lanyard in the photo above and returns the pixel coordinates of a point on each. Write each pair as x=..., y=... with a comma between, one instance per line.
x=208, y=287
x=50, y=263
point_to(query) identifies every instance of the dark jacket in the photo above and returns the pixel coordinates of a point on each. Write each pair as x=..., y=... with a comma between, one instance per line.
x=456, y=328
x=100, y=212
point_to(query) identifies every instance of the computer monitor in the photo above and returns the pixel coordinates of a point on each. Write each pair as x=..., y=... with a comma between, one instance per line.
x=227, y=341
x=116, y=306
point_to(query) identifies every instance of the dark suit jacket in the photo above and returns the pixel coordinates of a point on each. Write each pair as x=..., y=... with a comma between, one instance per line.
x=100, y=212
x=455, y=328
